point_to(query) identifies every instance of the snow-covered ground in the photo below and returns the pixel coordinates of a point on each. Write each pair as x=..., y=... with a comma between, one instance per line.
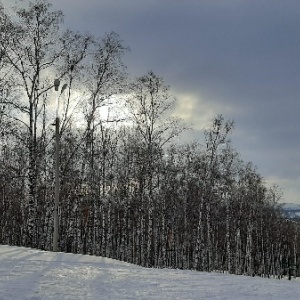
x=33, y=274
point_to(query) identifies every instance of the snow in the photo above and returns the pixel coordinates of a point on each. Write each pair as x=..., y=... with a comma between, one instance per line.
x=32, y=274
x=291, y=206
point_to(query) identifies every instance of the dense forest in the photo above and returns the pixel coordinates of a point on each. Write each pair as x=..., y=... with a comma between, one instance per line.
x=128, y=189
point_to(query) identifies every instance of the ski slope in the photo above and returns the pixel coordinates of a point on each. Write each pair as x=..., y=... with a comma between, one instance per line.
x=33, y=274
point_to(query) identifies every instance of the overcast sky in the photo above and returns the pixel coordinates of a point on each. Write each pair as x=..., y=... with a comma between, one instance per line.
x=240, y=58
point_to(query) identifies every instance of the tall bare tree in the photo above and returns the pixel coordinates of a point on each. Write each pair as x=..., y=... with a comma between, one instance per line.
x=35, y=52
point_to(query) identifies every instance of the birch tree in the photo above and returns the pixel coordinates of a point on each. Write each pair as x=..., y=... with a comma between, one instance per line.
x=34, y=55
x=149, y=105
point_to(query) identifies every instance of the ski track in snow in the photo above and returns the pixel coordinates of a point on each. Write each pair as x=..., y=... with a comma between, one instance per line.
x=30, y=274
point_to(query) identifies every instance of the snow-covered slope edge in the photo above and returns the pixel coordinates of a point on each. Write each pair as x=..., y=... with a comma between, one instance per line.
x=33, y=274
x=291, y=210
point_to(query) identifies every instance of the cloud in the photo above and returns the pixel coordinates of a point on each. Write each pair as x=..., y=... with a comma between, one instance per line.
x=235, y=57
x=197, y=111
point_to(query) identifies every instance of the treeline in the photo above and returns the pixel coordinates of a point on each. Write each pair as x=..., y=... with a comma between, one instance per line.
x=127, y=191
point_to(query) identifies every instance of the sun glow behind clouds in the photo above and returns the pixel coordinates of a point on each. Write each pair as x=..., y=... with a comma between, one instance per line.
x=198, y=111
x=109, y=111
x=115, y=110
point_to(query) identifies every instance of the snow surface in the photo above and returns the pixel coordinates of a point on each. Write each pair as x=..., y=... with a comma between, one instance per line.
x=32, y=274
x=291, y=206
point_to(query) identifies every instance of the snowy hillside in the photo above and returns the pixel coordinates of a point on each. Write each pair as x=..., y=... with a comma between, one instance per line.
x=291, y=210
x=33, y=274
x=291, y=206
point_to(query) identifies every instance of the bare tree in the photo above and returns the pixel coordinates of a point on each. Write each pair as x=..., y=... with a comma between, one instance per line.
x=34, y=53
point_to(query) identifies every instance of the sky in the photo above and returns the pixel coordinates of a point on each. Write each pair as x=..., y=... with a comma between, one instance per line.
x=239, y=58
x=33, y=274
